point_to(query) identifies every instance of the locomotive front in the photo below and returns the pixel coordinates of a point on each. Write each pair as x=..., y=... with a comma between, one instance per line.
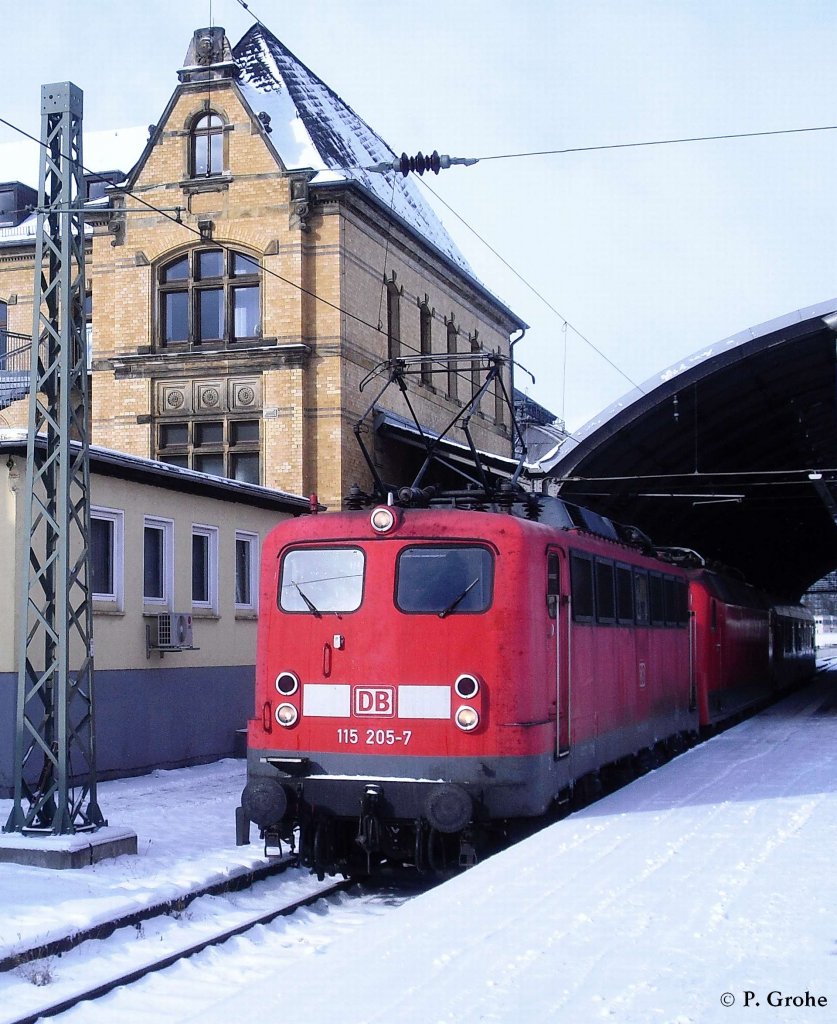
x=377, y=693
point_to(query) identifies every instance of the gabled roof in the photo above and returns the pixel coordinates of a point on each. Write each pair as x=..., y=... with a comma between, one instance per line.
x=311, y=126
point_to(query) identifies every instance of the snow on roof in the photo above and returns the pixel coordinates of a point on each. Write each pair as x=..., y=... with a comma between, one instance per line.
x=155, y=473
x=311, y=126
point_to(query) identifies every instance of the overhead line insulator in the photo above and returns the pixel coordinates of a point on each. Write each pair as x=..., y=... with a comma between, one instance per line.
x=420, y=163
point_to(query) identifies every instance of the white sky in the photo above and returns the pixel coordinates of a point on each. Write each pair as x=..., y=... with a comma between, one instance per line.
x=650, y=253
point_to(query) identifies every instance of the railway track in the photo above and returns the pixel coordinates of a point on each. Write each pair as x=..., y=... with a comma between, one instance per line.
x=35, y=965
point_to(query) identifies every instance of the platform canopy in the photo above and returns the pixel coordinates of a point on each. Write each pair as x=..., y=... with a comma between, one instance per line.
x=733, y=453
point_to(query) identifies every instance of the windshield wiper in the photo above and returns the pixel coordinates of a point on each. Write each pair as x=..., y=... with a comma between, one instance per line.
x=311, y=606
x=459, y=599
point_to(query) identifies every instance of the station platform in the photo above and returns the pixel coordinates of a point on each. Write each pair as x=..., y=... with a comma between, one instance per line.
x=691, y=895
x=72, y=851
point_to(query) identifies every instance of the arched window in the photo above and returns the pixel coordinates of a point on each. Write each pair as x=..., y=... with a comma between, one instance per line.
x=393, y=319
x=425, y=341
x=452, y=364
x=207, y=147
x=476, y=348
x=499, y=400
x=209, y=298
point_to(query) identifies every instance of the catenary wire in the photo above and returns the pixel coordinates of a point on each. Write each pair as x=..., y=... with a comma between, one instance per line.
x=658, y=142
x=377, y=328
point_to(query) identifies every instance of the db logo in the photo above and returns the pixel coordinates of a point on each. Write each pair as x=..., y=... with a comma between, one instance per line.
x=375, y=700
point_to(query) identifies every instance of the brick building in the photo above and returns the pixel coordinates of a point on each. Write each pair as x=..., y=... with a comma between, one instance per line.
x=249, y=273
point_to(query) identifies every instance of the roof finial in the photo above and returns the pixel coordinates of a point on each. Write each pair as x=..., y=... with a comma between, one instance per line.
x=209, y=55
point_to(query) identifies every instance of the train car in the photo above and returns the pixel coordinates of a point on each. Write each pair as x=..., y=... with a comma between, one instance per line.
x=732, y=625
x=793, y=644
x=426, y=675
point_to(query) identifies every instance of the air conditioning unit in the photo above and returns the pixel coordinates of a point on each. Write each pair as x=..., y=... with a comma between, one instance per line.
x=174, y=630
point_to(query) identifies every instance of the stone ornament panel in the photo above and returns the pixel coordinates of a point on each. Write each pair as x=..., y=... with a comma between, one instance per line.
x=173, y=398
x=209, y=395
x=231, y=394
x=245, y=393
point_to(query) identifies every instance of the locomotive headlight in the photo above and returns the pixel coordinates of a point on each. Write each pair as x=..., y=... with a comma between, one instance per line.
x=382, y=519
x=287, y=683
x=287, y=714
x=467, y=686
x=467, y=718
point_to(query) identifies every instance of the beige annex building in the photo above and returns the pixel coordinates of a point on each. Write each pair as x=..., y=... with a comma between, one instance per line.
x=250, y=271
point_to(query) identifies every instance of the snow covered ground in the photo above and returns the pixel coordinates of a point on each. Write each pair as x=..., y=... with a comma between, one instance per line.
x=705, y=891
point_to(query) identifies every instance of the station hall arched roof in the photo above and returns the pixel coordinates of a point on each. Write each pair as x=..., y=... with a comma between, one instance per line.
x=733, y=453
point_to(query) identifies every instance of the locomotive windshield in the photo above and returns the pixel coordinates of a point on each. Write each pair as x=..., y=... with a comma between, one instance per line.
x=444, y=580
x=318, y=580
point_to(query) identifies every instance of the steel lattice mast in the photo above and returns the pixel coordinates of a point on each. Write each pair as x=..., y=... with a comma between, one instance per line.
x=55, y=768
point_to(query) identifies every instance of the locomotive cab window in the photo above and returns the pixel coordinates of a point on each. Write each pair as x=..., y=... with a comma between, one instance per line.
x=444, y=580
x=317, y=580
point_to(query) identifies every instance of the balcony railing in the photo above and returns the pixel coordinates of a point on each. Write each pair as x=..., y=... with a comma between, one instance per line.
x=15, y=362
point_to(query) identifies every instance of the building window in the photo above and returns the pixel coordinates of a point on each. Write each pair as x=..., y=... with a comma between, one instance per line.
x=393, y=319
x=107, y=551
x=475, y=366
x=499, y=403
x=88, y=329
x=425, y=341
x=205, y=567
x=158, y=548
x=207, y=147
x=209, y=298
x=4, y=326
x=228, y=447
x=246, y=570
x=453, y=368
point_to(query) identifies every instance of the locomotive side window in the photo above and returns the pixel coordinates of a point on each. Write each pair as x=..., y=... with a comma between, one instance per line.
x=317, y=580
x=581, y=573
x=553, y=584
x=643, y=609
x=444, y=580
x=682, y=598
x=658, y=605
x=624, y=595
x=605, y=595
x=670, y=589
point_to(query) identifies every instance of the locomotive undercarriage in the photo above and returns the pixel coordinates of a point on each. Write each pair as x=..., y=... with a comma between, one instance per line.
x=370, y=846
x=447, y=830
x=346, y=825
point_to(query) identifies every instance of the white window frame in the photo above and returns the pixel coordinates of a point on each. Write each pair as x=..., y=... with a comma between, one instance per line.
x=117, y=555
x=166, y=527
x=211, y=534
x=252, y=540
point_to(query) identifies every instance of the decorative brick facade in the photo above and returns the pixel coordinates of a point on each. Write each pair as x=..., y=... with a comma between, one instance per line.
x=319, y=254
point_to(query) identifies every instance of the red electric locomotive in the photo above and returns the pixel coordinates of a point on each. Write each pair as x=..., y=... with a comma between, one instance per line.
x=425, y=675
x=428, y=673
